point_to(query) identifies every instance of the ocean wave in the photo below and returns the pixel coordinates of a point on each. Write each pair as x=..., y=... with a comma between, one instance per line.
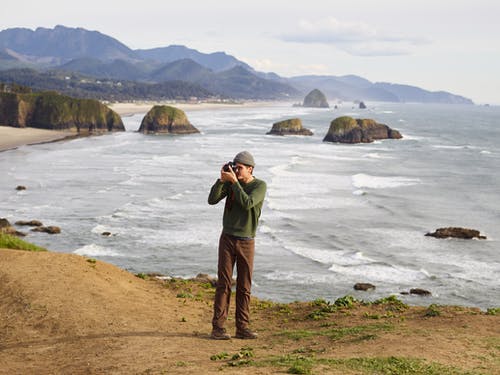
x=362, y=180
x=376, y=155
x=381, y=272
x=94, y=250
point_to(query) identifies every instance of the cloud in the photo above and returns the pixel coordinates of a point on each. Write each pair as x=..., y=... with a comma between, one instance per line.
x=355, y=38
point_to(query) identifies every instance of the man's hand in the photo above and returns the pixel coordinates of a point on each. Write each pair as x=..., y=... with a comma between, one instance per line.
x=228, y=176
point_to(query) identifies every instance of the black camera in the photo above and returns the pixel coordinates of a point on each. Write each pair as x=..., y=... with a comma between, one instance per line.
x=226, y=166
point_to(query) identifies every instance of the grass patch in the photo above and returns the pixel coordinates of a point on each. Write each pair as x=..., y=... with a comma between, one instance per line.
x=493, y=311
x=297, y=364
x=432, y=311
x=12, y=242
x=356, y=333
x=141, y=275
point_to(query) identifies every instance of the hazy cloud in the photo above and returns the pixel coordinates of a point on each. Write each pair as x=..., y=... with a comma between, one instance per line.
x=355, y=38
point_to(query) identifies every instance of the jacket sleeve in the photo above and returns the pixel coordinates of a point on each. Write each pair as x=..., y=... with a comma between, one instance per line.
x=218, y=192
x=247, y=201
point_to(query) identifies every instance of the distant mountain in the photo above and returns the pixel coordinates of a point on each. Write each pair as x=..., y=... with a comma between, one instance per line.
x=100, y=56
x=80, y=86
x=62, y=44
x=184, y=70
x=217, y=61
x=357, y=88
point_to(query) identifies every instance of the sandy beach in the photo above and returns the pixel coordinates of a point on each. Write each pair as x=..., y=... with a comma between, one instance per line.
x=128, y=109
x=11, y=137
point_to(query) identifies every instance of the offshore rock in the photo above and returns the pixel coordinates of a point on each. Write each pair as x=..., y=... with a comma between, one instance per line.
x=362, y=105
x=345, y=129
x=50, y=229
x=364, y=286
x=50, y=110
x=289, y=127
x=457, y=232
x=30, y=223
x=166, y=119
x=7, y=228
x=315, y=99
x=420, y=292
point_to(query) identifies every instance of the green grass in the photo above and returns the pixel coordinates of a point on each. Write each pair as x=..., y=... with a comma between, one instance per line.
x=298, y=364
x=356, y=333
x=12, y=242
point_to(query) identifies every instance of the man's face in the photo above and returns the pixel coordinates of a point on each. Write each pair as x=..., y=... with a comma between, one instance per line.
x=243, y=171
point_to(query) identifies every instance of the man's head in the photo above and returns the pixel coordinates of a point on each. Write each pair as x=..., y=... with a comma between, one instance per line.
x=245, y=163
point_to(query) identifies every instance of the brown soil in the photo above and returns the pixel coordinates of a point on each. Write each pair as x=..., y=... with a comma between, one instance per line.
x=66, y=314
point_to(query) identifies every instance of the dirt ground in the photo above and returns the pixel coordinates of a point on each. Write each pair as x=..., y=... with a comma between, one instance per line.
x=67, y=314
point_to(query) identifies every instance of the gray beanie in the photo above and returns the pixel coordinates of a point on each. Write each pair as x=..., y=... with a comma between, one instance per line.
x=244, y=157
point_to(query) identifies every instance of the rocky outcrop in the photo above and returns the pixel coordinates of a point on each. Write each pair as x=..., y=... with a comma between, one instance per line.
x=7, y=228
x=456, y=232
x=362, y=105
x=166, y=119
x=289, y=127
x=364, y=286
x=50, y=229
x=345, y=129
x=315, y=99
x=50, y=110
x=30, y=223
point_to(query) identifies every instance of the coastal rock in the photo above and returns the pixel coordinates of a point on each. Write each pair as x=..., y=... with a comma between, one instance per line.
x=106, y=234
x=50, y=229
x=345, y=129
x=420, y=292
x=456, y=232
x=362, y=105
x=30, y=223
x=20, y=187
x=7, y=228
x=315, y=99
x=50, y=110
x=364, y=286
x=289, y=127
x=166, y=119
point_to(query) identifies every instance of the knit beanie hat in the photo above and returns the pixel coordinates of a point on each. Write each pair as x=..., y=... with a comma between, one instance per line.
x=244, y=157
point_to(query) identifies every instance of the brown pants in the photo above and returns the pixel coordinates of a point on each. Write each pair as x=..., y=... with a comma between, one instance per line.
x=241, y=252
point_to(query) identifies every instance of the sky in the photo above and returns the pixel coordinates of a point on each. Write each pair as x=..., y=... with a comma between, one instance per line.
x=436, y=45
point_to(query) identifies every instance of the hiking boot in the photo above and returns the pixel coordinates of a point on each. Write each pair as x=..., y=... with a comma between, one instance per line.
x=219, y=334
x=245, y=334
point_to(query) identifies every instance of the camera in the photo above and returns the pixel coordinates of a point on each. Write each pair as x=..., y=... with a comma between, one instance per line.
x=226, y=166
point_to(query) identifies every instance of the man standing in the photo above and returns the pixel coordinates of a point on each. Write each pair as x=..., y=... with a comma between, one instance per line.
x=244, y=198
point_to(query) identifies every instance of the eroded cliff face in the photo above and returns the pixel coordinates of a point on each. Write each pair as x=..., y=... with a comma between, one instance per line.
x=167, y=120
x=50, y=110
x=345, y=129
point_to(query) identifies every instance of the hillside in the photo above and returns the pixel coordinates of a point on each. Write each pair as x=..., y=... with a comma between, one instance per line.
x=99, y=56
x=78, y=315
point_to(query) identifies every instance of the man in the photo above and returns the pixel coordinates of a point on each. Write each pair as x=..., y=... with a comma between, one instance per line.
x=244, y=198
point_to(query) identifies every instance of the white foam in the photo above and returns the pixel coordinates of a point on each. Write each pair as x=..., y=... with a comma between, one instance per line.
x=376, y=155
x=380, y=272
x=94, y=250
x=362, y=180
x=359, y=192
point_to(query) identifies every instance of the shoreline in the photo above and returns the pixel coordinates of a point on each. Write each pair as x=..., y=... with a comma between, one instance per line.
x=12, y=137
x=126, y=109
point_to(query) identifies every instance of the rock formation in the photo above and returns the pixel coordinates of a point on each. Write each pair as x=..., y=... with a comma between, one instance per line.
x=166, y=119
x=315, y=99
x=50, y=110
x=456, y=232
x=289, y=127
x=362, y=105
x=7, y=228
x=364, y=286
x=345, y=129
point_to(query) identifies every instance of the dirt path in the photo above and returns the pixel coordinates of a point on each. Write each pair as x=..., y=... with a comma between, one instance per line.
x=66, y=314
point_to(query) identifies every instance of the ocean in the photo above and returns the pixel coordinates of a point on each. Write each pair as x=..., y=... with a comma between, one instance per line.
x=334, y=214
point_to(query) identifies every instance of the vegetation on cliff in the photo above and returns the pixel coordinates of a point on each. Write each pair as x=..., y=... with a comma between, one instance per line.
x=50, y=110
x=345, y=129
x=166, y=119
x=289, y=127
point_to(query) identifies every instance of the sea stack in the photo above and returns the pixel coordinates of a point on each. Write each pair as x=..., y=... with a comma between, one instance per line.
x=289, y=127
x=163, y=119
x=315, y=99
x=345, y=129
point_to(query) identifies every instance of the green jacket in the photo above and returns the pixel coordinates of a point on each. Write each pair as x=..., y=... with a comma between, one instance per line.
x=243, y=205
